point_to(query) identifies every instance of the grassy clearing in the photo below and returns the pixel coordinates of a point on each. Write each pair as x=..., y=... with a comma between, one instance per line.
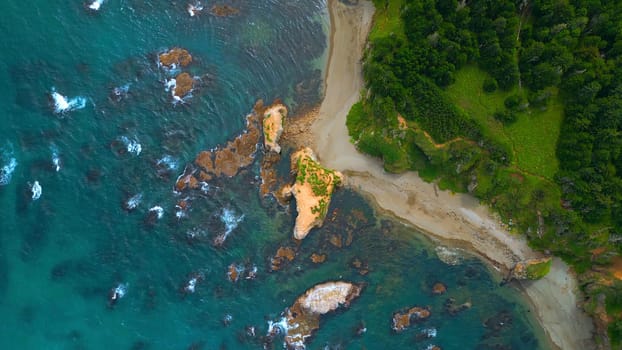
x=533, y=137
x=387, y=19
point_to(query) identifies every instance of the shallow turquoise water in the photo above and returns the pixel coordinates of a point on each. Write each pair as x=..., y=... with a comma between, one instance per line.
x=61, y=254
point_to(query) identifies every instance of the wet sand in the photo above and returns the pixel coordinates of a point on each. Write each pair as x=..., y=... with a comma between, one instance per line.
x=456, y=219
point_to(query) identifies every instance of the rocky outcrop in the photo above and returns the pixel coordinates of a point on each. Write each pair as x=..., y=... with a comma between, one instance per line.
x=283, y=256
x=175, y=57
x=224, y=161
x=404, y=319
x=531, y=269
x=312, y=189
x=273, y=119
x=303, y=318
x=183, y=85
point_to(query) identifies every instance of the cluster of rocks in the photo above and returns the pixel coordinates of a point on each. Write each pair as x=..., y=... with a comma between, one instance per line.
x=171, y=60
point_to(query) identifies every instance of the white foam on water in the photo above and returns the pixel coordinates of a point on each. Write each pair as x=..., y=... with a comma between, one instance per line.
x=36, y=190
x=63, y=104
x=132, y=145
x=55, y=158
x=278, y=327
x=194, y=8
x=8, y=163
x=190, y=287
x=429, y=332
x=168, y=161
x=134, y=201
x=204, y=187
x=230, y=220
x=120, y=290
x=430, y=347
x=96, y=5
x=158, y=210
x=170, y=84
x=196, y=233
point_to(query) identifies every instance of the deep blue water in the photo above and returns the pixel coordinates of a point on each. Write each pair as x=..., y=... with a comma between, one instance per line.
x=60, y=255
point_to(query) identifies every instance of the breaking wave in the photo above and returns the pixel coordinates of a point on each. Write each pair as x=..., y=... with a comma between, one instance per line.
x=62, y=104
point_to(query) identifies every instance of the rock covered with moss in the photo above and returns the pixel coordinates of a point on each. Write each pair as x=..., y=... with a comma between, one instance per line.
x=273, y=126
x=531, y=269
x=313, y=190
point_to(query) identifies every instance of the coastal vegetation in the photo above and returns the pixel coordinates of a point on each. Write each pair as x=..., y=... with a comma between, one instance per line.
x=518, y=103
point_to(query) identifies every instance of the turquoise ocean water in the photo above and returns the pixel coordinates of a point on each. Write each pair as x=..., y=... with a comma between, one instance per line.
x=61, y=255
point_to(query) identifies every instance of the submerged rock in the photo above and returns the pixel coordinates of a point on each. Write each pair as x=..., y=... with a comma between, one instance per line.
x=303, y=318
x=313, y=190
x=318, y=258
x=283, y=255
x=404, y=319
x=439, y=288
x=175, y=57
x=224, y=10
x=453, y=308
x=273, y=119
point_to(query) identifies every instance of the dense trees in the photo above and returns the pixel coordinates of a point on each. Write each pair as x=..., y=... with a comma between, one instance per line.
x=540, y=46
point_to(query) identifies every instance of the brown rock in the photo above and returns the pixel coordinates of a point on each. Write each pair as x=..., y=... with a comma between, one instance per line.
x=224, y=10
x=282, y=256
x=439, y=288
x=403, y=320
x=183, y=84
x=336, y=240
x=303, y=318
x=318, y=258
x=175, y=56
x=233, y=272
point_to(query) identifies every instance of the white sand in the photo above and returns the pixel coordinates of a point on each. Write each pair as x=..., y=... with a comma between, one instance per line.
x=451, y=217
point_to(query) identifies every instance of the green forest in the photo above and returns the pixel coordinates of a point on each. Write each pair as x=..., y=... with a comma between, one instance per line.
x=520, y=104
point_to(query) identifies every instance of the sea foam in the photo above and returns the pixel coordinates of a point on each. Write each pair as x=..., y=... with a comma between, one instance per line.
x=62, y=104
x=55, y=158
x=96, y=5
x=132, y=145
x=36, y=190
x=230, y=220
x=8, y=164
x=158, y=211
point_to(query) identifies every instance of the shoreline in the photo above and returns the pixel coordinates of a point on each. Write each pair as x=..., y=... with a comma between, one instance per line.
x=458, y=219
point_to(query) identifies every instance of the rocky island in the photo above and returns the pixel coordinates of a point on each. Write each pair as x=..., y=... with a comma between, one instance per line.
x=303, y=317
x=273, y=119
x=312, y=189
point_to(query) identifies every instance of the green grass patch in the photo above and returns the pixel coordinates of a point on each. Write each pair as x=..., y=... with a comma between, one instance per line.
x=533, y=137
x=537, y=271
x=387, y=19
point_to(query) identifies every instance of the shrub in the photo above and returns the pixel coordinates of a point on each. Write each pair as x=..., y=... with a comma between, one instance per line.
x=512, y=102
x=490, y=85
x=505, y=116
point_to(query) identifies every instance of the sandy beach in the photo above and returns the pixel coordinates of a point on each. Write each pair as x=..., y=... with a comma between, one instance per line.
x=452, y=219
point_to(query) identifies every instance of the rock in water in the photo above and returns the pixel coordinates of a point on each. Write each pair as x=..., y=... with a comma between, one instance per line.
x=313, y=190
x=303, y=318
x=404, y=319
x=175, y=57
x=273, y=126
